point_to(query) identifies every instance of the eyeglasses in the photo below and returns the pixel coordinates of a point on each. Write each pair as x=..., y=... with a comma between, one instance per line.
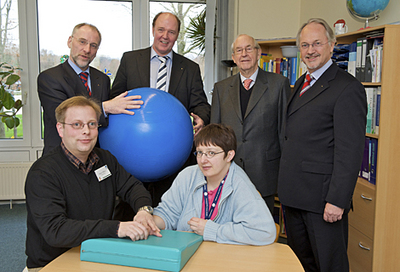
x=305, y=46
x=80, y=125
x=248, y=49
x=84, y=42
x=209, y=154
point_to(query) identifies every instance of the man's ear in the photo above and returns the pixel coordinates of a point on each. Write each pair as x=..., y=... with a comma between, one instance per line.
x=60, y=129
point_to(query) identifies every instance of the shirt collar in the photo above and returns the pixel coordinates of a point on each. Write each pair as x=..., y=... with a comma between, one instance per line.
x=317, y=74
x=253, y=77
x=85, y=168
x=76, y=68
x=154, y=54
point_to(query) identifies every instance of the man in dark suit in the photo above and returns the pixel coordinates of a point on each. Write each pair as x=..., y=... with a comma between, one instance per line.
x=63, y=81
x=322, y=153
x=140, y=68
x=255, y=112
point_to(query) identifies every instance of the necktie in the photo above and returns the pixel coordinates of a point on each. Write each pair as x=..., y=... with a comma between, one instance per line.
x=246, y=83
x=306, y=84
x=84, y=77
x=162, y=74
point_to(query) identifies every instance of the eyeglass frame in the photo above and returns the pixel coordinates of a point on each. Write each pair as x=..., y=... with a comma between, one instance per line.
x=84, y=42
x=248, y=49
x=313, y=45
x=199, y=154
x=82, y=125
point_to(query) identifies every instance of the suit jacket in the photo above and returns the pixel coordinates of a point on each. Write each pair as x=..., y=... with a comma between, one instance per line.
x=60, y=83
x=324, y=142
x=259, y=132
x=185, y=81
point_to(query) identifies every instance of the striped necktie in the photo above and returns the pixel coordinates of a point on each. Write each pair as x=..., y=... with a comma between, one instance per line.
x=84, y=77
x=306, y=84
x=162, y=74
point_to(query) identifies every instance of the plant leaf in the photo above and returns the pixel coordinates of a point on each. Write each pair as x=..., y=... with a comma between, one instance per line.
x=12, y=79
x=8, y=100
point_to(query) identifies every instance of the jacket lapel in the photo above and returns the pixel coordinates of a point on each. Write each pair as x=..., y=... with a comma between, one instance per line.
x=319, y=86
x=176, y=73
x=143, y=61
x=234, y=93
x=73, y=80
x=259, y=88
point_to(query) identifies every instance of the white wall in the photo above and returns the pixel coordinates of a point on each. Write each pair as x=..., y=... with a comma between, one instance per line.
x=267, y=19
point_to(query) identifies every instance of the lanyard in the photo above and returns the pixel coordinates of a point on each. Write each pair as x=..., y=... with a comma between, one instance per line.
x=209, y=211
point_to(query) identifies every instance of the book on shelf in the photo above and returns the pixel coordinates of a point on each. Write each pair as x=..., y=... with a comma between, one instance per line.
x=351, y=67
x=364, y=173
x=377, y=110
x=373, y=109
x=372, y=160
x=368, y=165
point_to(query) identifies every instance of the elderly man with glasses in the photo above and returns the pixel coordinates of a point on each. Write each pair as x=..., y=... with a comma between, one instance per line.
x=71, y=191
x=252, y=102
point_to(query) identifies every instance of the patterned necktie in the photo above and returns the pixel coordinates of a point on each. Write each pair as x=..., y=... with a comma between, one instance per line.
x=306, y=84
x=84, y=77
x=162, y=74
x=246, y=83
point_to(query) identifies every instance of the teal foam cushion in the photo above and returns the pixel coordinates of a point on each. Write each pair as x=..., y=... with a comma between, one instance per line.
x=168, y=253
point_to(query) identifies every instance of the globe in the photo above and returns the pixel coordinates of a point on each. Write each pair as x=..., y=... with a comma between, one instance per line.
x=366, y=9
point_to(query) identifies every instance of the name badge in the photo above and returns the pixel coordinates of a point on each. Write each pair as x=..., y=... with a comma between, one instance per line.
x=102, y=173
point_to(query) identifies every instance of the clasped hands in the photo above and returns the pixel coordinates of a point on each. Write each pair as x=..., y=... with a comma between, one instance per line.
x=140, y=228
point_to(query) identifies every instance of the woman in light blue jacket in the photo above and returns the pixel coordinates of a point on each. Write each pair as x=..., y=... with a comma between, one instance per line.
x=215, y=198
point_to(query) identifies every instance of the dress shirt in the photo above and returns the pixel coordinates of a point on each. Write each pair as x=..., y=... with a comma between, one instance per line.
x=155, y=65
x=252, y=77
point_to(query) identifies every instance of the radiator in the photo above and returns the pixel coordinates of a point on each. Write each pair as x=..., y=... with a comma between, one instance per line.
x=12, y=180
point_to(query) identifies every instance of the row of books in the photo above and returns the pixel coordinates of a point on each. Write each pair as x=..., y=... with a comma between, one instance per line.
x=292, y=68
x=369, y=53
x=374, y=103
x=368, y=166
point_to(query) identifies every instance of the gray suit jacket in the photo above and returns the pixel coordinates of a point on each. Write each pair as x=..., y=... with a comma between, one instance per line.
x=324, y=142
x=259, y=133
x=60, y=83
x=185, y=81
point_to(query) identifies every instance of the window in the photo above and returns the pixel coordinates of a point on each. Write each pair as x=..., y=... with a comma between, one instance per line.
x=9, y=53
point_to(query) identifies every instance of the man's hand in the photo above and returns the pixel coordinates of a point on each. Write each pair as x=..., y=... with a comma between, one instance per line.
x=122, y=104
x=147, y=220
x=332, y=213
x=197, y=225
x=197, y=122
x=133, y=230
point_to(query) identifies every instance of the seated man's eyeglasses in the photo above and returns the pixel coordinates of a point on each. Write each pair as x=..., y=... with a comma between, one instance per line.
x=209, y=154
x=81, y=125
x=305, y=46
x=248, y=49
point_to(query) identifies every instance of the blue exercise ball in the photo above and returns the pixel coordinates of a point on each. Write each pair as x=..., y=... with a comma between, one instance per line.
x=155, y=142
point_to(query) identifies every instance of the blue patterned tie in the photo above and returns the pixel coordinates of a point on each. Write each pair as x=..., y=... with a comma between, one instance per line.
x=84, y=77
x=162, y=74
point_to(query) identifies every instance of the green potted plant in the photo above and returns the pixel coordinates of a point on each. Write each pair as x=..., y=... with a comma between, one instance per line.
x=8, y=106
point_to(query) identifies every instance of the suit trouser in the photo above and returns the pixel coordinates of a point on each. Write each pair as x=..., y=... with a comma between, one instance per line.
x=319, y=245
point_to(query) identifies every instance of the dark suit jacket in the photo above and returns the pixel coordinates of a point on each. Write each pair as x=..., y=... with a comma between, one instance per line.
x=259, y=133
x=60, y=83
x=324, y=142
x=185, y=81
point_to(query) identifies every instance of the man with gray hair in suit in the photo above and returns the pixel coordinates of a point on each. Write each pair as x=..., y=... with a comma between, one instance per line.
x=252, y=102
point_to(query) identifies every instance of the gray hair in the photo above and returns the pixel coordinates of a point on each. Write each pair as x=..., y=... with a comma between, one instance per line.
x=256, y=45
x=328, y=30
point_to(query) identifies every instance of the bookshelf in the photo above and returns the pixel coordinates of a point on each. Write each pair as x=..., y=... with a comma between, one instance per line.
x=373, y=225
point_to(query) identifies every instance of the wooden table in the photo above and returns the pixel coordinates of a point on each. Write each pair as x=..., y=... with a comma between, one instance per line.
x=209, y=257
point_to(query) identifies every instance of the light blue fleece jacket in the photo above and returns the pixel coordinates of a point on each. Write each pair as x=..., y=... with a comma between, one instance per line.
x=243, y=217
